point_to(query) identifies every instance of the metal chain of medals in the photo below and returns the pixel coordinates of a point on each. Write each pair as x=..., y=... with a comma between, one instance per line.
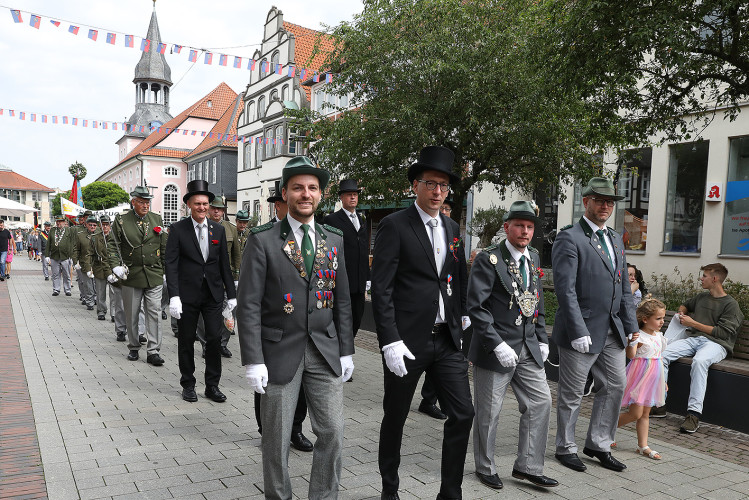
x=526, y=300
x=326, y=277
x=58, y=235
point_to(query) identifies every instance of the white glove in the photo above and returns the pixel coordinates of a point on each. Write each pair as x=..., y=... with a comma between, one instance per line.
x=506, y=356
x=112, y=278
x=90, y=274
x=368, y=286
x=394, y=357
x=582, y=344
x=257, y=376
x=347, y=367
x=466, y=322
x=47, y=260
x=175, y=307
x=119, y=271
x=544, y=351
x=236, y=284
x=77, y=266
x=231, y=304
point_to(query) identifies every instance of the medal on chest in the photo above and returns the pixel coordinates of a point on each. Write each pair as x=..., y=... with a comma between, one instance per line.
x=288, y=307
x=449, y=286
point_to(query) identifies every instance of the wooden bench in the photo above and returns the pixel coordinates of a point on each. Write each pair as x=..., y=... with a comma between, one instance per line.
x=727, y=383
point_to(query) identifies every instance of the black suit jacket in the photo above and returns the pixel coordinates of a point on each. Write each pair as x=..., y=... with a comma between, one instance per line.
x=185, y=266
x=405, y=283
x=356, y=244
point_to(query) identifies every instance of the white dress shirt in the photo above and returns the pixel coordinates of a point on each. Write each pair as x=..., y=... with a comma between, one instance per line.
x=440, y=249
x=516, y=254
x=296, y=228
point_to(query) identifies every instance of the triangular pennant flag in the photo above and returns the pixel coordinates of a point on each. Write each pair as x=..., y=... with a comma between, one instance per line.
x=56, y=23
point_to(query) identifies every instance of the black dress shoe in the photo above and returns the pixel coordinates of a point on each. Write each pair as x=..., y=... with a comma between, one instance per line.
x=46, y=278
x=163, y=315
x=607, y=460
x=133, y=356
x=154, y=359
x=111, y=319
x=188, y=394
x=89, y=307
x=572, y=461
x=300, y=442
x=120, y=337
x=492, y=481
x=68, y=294
x=101, y=317
x=213, y=393
x=142, y=339
x=55, y=294
x=432, y=410
x=225, y=352
x=541, y=480
x=389, y=496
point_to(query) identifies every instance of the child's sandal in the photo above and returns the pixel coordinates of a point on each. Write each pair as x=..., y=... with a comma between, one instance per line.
x=647, y=452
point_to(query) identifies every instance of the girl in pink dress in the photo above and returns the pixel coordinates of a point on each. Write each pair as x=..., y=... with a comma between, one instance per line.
x=646, y=383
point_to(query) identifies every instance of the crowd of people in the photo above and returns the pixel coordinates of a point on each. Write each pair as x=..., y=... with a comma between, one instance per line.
x=293, y=291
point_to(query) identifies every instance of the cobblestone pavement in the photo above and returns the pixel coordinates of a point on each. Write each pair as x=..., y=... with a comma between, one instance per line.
x=110, y=428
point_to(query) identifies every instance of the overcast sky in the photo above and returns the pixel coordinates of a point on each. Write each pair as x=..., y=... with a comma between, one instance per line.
x=50, y=71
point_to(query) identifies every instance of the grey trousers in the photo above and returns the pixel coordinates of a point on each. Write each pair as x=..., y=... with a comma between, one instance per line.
x=151, y=299
x=101, y=296
x=325, y=403
x=610, y=379
x=117, y=309
x=45, y=268
x=529, y=384
x=60, y=268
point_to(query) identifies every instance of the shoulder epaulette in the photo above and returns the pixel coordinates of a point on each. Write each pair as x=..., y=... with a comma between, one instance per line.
x=260, y=229
x=333, y=229
x=612, y=230
x=490, y=248
x=531, y=249
x=566, y=227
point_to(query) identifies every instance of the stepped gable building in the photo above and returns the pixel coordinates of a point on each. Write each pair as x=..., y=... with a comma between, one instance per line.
x=268, y=137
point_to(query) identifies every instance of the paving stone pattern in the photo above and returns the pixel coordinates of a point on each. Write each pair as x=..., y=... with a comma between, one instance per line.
x=111, y=428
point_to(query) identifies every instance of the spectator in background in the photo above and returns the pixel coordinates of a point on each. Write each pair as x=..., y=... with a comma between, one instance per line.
x=636, y=283
x=6, y=245
x=19, y=240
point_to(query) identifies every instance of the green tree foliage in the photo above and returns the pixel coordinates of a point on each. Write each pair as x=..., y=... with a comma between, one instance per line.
x=102, y=195
x=645, y=65
x=486, y=224
x=458, y=74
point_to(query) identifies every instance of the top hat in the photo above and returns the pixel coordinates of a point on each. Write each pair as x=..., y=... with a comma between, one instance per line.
x=277, y=196
x=449, y=201
x=348, y=186
x=302, y=165
x=243, y=215
x=601, y=186
x=522, y=210
x=437, y=158
x=198, y=186
x=141, y=192
x=218, y=202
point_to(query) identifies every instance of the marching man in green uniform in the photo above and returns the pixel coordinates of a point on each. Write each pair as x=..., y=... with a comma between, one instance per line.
x=77, y=228
x=97, y=260
x=137, y=259
x=82, y=258
x=59, y=250
x=243, y=231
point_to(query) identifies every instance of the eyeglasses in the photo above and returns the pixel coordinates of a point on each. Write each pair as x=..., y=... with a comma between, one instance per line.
x=431, y=185
x=601, y=202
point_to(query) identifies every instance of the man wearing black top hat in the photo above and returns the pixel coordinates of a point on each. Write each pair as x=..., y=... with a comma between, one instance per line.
x=197, y=276
x=356, y=245
x=417, y=304
x=279, y=204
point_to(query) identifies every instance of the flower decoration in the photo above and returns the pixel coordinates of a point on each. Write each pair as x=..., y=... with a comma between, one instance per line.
x=157, y=229
x=215, y=242
x=454, y=247
x=540, y=272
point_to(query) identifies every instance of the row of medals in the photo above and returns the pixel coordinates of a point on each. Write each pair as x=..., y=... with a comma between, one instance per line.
x=526, y=300
x=323, y=282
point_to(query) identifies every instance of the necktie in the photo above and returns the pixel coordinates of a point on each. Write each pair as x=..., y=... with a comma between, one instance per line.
x=354, y=220
x=203, y=241
x=523, y=271
x=601, y=238
x=432, y=223
x=307, y=250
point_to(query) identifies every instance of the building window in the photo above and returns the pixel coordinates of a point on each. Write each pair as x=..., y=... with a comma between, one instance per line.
x=258, y=154
x=256, y=208
x=191, y=173
x=319, y=100
x=273, y=95
x=279, y=140
x=685, y=199
x=736, y=200
x=137, y=176
x=131, y=176
x=214, y=170
x=263, y=73
x=170, y=212
x=250, y=111
x=275, y=59
x=268, y=143
x=634, y=185
x=206, y=165
x=291, y=142
x=344, y=101
x=171, y=171
x=261, y=107
x=247, y=155
x=285, y=93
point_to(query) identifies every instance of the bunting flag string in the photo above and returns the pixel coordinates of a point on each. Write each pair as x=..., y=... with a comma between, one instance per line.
x=126, y=127
x=161, y=48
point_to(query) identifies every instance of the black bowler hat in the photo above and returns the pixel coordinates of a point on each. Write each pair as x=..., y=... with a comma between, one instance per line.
x=198, y=186
x=348, y=186
x=277, y=196
x=437, y=158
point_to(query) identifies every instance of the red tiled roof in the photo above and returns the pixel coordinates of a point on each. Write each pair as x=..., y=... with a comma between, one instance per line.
x=305, y=41
x=221, y=99
x=12, y=180
x=227, y=124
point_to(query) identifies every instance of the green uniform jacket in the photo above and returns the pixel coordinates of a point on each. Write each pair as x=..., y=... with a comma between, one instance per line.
x=142, y=248
x=243, y=240
x=63, y=250
x=82, y=249
x=98, y=257
x=234, y=247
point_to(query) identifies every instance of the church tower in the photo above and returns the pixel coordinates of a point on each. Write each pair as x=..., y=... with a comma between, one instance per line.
x=153, y=80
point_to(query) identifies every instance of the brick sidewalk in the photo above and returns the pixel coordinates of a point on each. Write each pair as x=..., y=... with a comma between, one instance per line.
x=21, y=471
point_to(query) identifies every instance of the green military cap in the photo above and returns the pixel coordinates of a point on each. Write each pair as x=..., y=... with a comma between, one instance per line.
x=47, y=223
x=92, y=218
x=521, y=210
x=601, y=186
x=141, y=192
x=303, y=165
x=217, y=202
x=105, y=219
x=59, y=218
x=243, y=215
